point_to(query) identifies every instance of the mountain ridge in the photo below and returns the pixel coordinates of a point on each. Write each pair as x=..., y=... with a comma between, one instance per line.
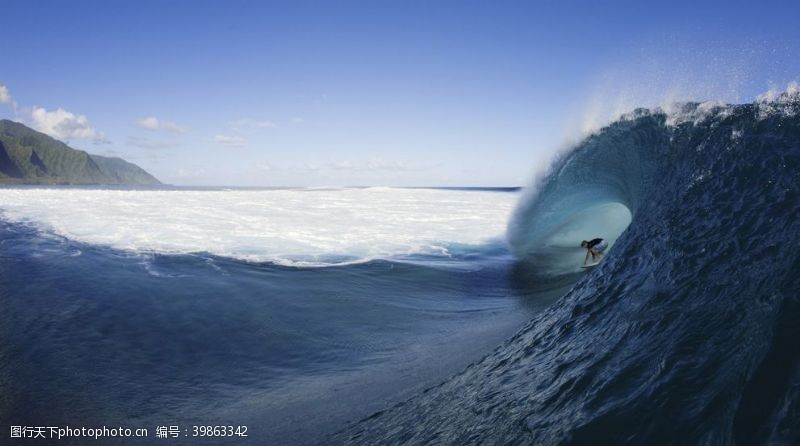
x=31, y=157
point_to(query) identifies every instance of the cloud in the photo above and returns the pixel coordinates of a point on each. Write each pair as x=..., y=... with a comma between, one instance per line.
x=342, y=165
x=244, y=125
x=230, y=140
x=5, y=95
x=61, y=124
x=190, y=173
x=305, y=167
x=298, y=120
x=267, y=166
x=153, y=123
x=374, y=164
x=146, y=143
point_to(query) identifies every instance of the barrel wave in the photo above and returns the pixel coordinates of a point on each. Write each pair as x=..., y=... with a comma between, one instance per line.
x=686, y=333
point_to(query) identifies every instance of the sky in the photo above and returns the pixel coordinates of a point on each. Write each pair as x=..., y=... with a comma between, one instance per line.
x=383, y=93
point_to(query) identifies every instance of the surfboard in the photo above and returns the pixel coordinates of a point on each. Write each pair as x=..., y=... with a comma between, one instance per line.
x=591, y=265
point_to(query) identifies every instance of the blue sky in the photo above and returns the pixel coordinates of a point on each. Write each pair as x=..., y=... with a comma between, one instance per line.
x=371, y=93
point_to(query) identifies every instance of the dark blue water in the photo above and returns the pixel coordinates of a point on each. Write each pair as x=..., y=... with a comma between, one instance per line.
x=91, y=336
x=687, y=332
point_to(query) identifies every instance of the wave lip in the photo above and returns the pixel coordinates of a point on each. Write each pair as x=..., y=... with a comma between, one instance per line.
x=593, y=191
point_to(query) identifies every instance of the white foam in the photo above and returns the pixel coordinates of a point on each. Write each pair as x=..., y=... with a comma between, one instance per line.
x=303, y=227
x=678, y=113
x=776, y=102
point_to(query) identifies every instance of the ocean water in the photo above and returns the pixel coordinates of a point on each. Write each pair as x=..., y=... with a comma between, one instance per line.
x=294, y=312
x=423, y=316
x=687, y=332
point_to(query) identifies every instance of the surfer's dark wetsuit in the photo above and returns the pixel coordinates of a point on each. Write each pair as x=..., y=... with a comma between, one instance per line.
x=593, y=242
x=595, y=247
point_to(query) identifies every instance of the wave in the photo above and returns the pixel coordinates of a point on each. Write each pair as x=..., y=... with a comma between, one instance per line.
x=686, y=333
x=290, y=227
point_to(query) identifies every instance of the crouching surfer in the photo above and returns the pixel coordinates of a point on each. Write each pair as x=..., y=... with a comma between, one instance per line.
x=595, y=247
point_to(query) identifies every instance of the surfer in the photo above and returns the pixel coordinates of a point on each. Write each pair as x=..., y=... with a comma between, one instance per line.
x=595, y=247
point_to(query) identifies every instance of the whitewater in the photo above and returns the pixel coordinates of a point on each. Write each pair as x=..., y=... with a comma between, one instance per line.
x=304, y=227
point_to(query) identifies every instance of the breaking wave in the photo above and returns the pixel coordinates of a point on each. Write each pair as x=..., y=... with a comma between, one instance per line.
x=686, y=333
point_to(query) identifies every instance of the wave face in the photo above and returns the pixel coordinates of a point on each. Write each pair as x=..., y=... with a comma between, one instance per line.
x=294, y=227
x=687, y=331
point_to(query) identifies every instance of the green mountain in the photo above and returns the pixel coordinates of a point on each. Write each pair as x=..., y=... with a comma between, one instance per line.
x=31, y=157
